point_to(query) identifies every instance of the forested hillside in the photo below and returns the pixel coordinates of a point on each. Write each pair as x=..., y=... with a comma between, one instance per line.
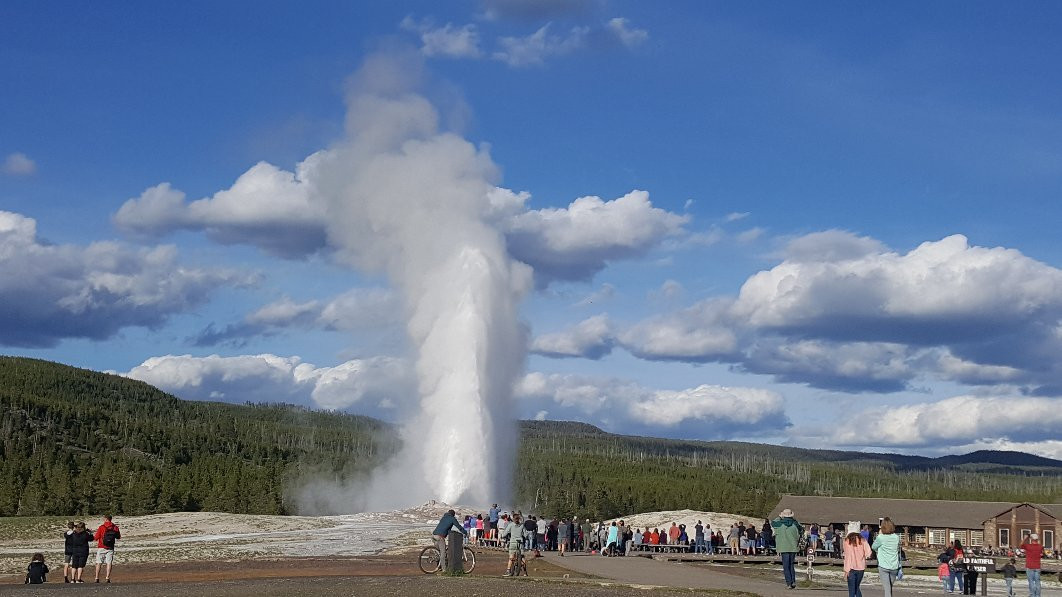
x=73, y=440
x=78, y=441
x=574, y=468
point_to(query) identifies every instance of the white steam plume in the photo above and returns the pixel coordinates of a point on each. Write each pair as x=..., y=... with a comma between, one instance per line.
x=407, y=199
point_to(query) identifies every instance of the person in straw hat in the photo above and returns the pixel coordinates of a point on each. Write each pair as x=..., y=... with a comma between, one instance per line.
x=787, y=533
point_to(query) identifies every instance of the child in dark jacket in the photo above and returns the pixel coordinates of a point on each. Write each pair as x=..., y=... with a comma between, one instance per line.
x=1009, y=574
x=37, y=571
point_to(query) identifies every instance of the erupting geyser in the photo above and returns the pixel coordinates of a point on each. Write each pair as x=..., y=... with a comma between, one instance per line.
x=404, y=198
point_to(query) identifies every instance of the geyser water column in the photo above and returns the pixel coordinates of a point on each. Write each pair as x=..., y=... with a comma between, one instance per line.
x=469, y=352
x=407, y=199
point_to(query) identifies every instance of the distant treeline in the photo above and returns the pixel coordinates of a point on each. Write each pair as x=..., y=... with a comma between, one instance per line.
x=77, y=441
x=574, y=468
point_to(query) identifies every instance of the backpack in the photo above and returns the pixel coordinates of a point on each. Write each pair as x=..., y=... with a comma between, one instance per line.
x=109, y=536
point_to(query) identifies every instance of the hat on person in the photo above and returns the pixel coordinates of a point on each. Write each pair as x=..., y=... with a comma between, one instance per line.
x=787, y=513
x=1034, y=537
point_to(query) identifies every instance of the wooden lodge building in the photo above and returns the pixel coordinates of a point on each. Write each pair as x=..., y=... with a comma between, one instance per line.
x=935, y=523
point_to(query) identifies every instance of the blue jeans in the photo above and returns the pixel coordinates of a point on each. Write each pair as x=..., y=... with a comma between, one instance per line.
x=888, y=578
x=698, y=545
x=1034, y=582
x=956, y=576
x=1010, y=586
x=789, y=567
x=854, y=578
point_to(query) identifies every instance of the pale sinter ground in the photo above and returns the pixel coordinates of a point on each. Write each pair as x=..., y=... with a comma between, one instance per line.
x=188, y=536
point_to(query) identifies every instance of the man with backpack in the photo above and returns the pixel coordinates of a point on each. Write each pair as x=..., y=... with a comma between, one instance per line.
x=105, y=537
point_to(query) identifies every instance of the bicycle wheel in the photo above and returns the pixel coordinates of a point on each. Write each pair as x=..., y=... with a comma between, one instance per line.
x=468, y=560
x=429, y=561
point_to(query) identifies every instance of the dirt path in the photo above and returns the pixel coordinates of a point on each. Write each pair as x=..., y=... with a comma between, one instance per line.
x=648, y=571
x=371, y=586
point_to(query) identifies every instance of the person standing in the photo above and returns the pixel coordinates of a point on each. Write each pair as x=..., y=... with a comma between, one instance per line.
x=79, y=552
x=856, y=552
x=611, y=540
x=447, y=522
x=698, y=537
x=105, y=537
x=887, y=546
x=512, y=532
x=492, y=515
x=68, y=551
x=958, y=567
x=1033, y=553
x=1009, y=574
x=787, y=532
x=564, y=534
x=673, y=533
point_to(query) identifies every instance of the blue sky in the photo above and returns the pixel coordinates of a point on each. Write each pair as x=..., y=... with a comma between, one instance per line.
x=827, y=224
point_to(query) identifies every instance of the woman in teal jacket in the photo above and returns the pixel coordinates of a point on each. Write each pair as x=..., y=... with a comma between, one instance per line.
x=887, y=546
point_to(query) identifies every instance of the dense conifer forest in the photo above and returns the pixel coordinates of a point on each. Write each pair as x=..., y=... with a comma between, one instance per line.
x=78, y=441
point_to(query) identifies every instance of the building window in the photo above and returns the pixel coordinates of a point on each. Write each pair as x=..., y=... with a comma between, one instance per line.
x=960, y=535
x=1004, y=537
x=977, y=538
x=1025, y=535
x=1049, y=539
x=937, y=537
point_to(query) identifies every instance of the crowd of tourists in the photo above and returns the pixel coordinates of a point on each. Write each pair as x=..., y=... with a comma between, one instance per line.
x=858, y=545
x=77, y=542
x=783, y=536
x=614, y=538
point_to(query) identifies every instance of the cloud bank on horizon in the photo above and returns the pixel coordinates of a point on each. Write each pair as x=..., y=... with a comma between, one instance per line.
x=654, y=289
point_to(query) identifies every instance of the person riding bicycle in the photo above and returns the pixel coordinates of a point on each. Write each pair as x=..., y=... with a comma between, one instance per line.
x=447, y=522
x=512, y=533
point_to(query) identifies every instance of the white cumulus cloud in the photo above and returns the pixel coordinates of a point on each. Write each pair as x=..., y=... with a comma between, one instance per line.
x=50, y=292
x=957, y=421
x=447, y=40
x=376, y=386
x=575, y=242
x=706, y=411
x=354, y=310
x=18, y=164
x=266, y=207
x=592, y=338
x=534, y=49
x=627, y=35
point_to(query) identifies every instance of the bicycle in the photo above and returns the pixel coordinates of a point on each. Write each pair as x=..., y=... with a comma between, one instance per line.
x=430, y=562
x=520, y=566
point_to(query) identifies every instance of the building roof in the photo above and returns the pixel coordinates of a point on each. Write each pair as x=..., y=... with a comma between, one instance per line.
x=1052, y=510
x=917, y=513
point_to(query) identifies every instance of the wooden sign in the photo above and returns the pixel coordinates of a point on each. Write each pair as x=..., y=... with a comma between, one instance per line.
x=981, y=564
